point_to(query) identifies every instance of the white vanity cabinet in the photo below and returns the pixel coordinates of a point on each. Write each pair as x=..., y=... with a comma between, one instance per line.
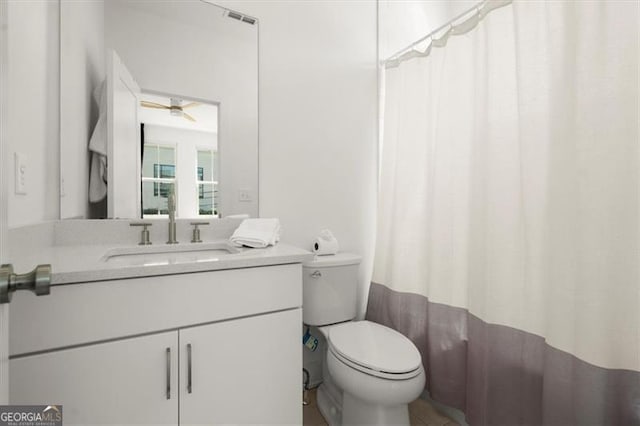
x=243, y=372
x=121, y=382
x=220, y=347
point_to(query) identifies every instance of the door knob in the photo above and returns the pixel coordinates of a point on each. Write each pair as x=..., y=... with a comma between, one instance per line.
x=38, y=281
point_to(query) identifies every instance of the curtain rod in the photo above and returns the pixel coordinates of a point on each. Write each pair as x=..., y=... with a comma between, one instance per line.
x=400, y=52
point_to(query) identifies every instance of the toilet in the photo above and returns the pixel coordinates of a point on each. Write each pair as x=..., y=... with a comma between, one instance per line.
x=370, y=372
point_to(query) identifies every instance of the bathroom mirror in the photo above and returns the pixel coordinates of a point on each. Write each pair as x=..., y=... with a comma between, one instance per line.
x=198, y=64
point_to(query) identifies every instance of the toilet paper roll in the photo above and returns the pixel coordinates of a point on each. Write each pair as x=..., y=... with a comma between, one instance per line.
x=325, y=244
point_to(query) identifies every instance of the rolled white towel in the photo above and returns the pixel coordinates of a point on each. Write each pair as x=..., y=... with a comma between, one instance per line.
x=256, y=233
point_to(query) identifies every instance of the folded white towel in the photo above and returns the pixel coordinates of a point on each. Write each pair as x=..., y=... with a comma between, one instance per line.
x=238, y=216
x=256, y=233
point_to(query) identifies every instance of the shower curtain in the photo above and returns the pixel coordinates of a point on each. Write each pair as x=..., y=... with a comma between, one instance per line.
x=508, y=219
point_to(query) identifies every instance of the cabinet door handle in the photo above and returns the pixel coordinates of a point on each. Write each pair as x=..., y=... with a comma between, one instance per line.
x=168, y=373
x=189, y=368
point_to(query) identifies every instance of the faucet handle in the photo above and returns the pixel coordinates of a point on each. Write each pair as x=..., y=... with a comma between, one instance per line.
x=171, y=205
x=144, y=234
x=196, y=231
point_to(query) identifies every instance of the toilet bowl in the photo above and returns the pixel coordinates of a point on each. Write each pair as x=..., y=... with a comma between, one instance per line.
x=370, y=372
x=378, y=370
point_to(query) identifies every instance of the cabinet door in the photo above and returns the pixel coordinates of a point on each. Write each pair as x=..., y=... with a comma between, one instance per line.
x=244, y=371
x=120, y=382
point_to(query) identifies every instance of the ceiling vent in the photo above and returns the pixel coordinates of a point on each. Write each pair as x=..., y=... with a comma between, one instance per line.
x=242, y=18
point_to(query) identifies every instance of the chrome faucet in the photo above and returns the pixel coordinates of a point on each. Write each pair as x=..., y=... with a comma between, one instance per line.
x=171, y=204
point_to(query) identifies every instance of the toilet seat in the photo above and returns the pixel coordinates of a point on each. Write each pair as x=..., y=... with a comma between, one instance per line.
x=375, y=350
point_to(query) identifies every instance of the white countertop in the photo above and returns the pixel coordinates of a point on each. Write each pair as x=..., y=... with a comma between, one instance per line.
x=85, y=263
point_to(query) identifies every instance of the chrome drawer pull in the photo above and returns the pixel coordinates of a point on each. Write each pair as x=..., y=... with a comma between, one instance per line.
x=189, y=368
x=168, y=373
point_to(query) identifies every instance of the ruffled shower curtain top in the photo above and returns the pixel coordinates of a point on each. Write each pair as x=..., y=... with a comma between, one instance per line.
x=508, y=220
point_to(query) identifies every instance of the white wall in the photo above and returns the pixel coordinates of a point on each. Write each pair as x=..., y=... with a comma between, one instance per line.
x=32, y=116
x=404, y=21
x=82, y=62
x=318, y=118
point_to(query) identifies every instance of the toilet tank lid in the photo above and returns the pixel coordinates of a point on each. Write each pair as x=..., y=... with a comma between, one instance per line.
x=338, y=259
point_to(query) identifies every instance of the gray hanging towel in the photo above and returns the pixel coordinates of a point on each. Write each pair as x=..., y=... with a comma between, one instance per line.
x=98, y=148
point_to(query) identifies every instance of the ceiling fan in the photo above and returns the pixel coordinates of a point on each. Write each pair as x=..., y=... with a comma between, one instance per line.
x=175, y=108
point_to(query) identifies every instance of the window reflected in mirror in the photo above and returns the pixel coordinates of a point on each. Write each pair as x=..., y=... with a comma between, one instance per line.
x=158, y=178
x=207, y=183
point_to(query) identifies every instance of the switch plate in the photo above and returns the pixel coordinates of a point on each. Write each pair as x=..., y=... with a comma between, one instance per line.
x=244, y=195
x=20, y=166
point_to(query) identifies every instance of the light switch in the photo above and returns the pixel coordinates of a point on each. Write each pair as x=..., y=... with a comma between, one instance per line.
x=20, y=165
x=244, y=195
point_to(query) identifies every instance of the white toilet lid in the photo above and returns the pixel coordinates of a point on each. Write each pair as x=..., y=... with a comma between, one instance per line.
x=375, y=347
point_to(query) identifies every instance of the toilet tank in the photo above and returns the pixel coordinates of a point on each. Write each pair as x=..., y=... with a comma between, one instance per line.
x=329, y=289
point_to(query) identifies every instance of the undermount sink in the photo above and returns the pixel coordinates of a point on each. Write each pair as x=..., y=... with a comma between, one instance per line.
x=170, y=254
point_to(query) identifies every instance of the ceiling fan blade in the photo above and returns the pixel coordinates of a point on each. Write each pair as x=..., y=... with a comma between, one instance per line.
x=148, y=104
x=188, y=117
x=191, y=104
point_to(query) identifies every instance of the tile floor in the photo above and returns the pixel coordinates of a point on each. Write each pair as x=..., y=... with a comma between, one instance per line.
x=420, y=412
